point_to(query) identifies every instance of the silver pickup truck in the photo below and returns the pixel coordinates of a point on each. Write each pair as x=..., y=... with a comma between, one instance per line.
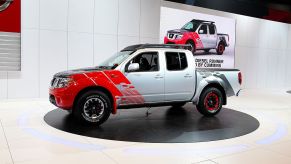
x=144, y=75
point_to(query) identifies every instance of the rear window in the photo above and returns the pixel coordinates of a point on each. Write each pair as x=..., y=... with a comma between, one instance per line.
x=176, y=61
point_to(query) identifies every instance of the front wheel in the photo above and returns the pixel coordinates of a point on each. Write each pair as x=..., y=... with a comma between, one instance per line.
x=93, y=107
x=210, y=102
x=193, y=47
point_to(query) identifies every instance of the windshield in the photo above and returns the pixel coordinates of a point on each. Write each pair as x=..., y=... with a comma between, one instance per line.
x=116, y=59
x=191, y=26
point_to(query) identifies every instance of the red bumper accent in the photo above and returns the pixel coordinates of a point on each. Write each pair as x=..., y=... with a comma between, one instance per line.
x=174, y=41
x=62, y=97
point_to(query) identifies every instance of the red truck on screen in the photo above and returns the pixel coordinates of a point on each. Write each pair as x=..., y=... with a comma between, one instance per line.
x=201, y=35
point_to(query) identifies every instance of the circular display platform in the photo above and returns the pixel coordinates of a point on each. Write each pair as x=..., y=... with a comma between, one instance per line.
x=163, y=125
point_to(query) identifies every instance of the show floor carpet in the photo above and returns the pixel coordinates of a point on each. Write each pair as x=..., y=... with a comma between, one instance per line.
x=26, y=138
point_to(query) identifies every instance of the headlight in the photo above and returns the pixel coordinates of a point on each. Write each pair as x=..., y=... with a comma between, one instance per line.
x=61, y=82
x=179, y=36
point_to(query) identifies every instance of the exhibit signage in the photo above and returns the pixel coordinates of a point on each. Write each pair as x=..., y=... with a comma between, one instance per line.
x=212, y=37
x=10, y=35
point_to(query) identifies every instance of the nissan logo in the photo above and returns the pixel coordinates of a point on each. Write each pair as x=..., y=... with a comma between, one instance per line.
x=4, y=4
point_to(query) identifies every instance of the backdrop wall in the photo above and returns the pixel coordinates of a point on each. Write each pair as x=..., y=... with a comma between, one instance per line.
x=73, y=34
x=263, y=49
x=66, y=34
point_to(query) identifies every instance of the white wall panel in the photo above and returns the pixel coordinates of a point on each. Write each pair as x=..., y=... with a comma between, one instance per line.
x=124, y=41
x=3, y=85
x=25, y=84
x=30, y=13
x=81, y=16
x=262, y=75
x=289, y=40
x=106, y=17
x=53, y=57
x=288, y=68
x=280, y=75
x=129, y=17
x=104, y=47
x=80, y=48
x=144, y=40
x=150, y=18
x=272, y=35
x=53, y=14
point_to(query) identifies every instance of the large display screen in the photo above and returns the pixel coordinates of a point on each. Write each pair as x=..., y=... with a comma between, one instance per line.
x=212, y=38
x=10, y=38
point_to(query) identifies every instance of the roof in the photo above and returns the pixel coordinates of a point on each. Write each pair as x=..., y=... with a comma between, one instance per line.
x=202, y=21
x=143, y=46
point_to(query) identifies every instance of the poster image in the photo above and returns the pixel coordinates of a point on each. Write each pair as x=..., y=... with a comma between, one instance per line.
x=212, y=38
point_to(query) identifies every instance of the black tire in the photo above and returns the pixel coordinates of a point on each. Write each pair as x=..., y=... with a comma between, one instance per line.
x=98, y=108
x=210, y=102
x=220, y=48
x=193, y=46
x=178, y=105
x=207, y=50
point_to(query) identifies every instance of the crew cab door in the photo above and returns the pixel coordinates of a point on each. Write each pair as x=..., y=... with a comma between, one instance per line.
x=179, y=77
x=149, y=79
x=212, y=36
x=203, y=34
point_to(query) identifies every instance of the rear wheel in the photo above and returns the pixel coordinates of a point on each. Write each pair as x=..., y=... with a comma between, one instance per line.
x=210, y=102
x=93, y=107
x=192, y=45
x=207, y=50
x=220, y=48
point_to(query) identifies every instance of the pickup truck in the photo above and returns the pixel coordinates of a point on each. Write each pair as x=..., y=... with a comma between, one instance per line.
x=200, y=34
x=146, y=75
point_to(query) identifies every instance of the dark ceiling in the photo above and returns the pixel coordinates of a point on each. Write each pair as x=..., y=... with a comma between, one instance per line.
x=279, y=10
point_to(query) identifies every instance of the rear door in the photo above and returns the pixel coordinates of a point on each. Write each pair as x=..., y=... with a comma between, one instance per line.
x=212, y=36
x=179, y=77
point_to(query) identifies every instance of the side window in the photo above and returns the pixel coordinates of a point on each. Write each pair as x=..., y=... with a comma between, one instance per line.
x=183, y=61
x=148, y=62
x=204, y=29
x=211, y=29
x=176, y=61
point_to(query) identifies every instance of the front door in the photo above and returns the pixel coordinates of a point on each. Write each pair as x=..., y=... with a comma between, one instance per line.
x=203, y=35
x=149, y=79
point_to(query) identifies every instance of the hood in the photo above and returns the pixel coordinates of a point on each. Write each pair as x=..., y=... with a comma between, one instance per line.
x=178, y=31
x=80, y=71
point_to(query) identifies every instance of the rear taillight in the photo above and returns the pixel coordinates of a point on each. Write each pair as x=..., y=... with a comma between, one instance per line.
x=240, y=78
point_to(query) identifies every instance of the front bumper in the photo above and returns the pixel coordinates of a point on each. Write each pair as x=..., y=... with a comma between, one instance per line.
x=62, y=97
x=174, y=41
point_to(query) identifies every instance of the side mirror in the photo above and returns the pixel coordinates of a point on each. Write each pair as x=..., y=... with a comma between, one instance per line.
x=201, y=31
x=133, y=67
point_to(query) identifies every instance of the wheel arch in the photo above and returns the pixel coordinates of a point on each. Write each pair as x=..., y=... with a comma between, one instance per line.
x=219, y=87
x=97, y=88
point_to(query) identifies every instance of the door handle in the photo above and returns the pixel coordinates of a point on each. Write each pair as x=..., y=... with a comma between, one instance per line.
x=187, y=75
x=158, y=77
